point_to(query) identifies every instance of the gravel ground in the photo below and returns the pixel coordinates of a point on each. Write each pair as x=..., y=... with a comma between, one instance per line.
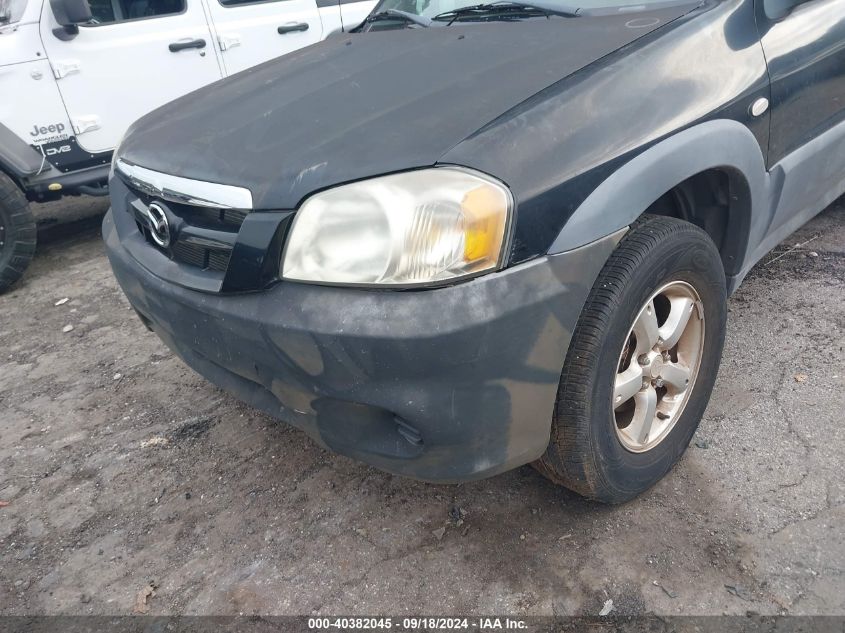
x=122, y=468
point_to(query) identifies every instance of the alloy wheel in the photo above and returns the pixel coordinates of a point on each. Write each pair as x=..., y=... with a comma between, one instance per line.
x=658, y=366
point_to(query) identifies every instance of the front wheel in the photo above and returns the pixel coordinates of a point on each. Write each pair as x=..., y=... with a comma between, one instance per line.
x=641, y=364
x=17, y=233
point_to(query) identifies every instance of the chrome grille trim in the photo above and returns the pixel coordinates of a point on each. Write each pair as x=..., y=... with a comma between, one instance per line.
x=184, y=190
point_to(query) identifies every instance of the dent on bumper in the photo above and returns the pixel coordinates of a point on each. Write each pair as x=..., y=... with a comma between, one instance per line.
x=447, y=384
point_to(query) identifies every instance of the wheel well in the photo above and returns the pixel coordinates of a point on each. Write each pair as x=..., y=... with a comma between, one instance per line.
x=718, y=201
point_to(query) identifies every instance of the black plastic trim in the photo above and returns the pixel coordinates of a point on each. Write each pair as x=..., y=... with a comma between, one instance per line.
x=70, y=181
x=16, y=156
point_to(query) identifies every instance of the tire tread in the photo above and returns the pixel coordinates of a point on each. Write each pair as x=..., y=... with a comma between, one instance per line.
x=20, y=232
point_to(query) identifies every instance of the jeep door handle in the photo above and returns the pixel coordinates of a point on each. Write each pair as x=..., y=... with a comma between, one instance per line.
x=292, y=28
x=175, y=47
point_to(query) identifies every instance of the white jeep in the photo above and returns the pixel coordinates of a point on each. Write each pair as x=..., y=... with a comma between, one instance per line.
x=74, y=74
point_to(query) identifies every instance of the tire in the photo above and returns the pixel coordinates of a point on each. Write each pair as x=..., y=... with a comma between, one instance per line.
x=587, y=451
x=17, y=233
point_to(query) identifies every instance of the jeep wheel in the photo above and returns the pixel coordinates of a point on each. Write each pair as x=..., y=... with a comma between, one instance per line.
x=642, y=363
x=17, y=233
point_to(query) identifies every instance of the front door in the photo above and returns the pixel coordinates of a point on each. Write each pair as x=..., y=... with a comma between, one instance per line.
x=134, y=56
x=804, y=42
x=250, y=32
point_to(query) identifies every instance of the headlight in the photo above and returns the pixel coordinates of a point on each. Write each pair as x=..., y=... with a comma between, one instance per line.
x=405, y=229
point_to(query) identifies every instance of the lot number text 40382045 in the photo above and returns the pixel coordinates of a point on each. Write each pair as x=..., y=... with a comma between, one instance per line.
x=416, y=623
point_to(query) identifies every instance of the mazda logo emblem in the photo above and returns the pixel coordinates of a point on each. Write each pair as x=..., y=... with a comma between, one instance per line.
x=158, y=224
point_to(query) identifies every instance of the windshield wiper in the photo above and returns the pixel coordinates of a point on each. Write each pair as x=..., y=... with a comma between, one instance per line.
x=419, y=20
x=508, y=7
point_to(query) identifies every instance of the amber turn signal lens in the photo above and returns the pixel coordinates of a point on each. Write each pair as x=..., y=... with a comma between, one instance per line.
x=485, y=211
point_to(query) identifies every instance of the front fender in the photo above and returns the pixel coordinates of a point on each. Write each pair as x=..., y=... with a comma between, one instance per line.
x=627, y=193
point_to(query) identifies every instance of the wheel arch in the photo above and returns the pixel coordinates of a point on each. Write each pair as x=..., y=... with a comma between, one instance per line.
x=720, y=157
x=17, y=158
x=717, y=200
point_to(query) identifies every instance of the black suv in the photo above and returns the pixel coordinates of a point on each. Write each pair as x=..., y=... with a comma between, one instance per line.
x=467, y=237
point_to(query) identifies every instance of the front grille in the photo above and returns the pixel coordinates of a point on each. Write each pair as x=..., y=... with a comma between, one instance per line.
x=210, y=217
x=205, y=258
x=202, y=237
x=218, y=260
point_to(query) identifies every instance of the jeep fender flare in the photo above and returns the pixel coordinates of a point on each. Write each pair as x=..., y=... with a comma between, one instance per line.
x=16, y=157
x=625, y=195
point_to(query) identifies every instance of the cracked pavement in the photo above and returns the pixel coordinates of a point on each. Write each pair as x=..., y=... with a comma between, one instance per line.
x=121, y=467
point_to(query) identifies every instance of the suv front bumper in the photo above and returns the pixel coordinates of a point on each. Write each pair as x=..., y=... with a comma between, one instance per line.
x=445, y=385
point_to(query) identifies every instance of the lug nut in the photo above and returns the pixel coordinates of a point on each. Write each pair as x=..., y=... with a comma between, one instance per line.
x=643, y=359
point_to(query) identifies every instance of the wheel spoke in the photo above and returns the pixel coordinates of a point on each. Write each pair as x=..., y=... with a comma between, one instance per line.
x=645, y=328
x=628, y=383
x=645, y=403
x=680, y=310
x=675, y=376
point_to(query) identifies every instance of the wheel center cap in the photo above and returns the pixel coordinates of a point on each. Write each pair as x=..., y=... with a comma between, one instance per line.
x=656, y=367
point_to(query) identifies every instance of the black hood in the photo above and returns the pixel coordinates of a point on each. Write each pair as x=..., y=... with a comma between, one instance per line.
x=360, y=105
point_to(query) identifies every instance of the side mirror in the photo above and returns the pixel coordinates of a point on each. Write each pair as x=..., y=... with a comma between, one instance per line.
x=69, y=14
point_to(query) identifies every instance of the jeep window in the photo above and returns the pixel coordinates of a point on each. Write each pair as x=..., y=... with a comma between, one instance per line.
x=11, y=10
x=235, y=3
x=112, y=11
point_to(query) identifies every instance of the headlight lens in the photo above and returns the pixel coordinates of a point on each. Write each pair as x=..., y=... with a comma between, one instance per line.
x=404, y=229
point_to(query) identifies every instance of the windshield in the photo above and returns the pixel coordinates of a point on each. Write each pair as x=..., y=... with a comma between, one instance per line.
x=11, y=10
x=432, y=8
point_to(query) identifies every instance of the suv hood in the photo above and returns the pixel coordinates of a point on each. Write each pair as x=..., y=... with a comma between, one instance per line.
x=361, y=105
